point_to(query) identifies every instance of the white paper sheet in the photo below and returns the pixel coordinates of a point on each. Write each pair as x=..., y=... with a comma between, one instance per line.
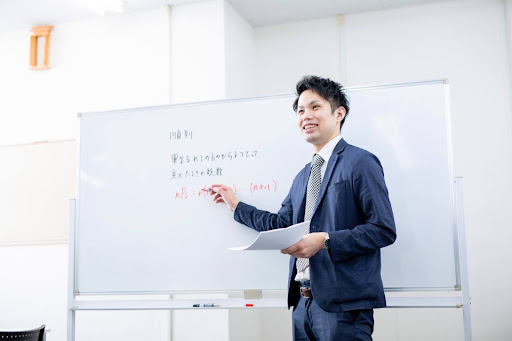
x=276, y=239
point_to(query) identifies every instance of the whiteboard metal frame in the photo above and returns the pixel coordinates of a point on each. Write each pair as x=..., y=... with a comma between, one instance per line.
x=460, y=297
x=396, y=85
x=453, y=186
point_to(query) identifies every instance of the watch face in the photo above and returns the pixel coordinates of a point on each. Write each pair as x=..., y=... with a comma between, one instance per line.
x=327, y=243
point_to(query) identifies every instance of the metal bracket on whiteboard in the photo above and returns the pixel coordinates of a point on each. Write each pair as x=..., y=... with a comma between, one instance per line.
x=253, y=294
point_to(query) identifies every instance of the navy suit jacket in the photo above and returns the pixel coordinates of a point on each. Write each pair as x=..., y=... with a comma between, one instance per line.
x=353, y=207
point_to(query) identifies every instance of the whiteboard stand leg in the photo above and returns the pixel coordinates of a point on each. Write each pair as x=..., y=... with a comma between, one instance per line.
x=71, y=271
x=463, y=259
x=466, y=314
x=171, y=321
x=71, y=325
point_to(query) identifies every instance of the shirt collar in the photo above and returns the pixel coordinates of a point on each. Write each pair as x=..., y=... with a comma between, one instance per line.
x=327, y=150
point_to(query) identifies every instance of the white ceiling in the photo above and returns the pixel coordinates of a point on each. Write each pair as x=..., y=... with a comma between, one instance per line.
x=23, y=14
x=269, y=12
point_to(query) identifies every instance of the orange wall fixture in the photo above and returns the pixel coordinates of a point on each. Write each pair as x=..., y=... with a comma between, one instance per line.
x=43, y=33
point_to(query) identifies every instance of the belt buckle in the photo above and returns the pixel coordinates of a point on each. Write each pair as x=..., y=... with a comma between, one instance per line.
x=306, y=292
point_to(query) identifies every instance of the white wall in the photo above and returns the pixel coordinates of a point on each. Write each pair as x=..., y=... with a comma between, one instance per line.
x=507, y=8
x=240, y=54
x=197, y=52
x=98, y=64
x=33, y=288
x=287, y=52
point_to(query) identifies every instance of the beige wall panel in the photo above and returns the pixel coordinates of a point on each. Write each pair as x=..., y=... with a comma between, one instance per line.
x=36, y=181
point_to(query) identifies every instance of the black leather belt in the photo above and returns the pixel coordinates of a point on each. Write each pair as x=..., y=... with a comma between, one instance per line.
x=306, y=292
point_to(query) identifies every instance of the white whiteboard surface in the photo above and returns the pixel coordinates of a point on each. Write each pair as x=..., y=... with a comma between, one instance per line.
x=143, y=228
x=37, y=181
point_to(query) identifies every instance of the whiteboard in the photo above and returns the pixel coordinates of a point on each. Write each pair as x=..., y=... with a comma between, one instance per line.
x=145, y=223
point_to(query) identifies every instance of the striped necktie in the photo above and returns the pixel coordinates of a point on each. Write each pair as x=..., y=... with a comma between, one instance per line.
x=314, y=182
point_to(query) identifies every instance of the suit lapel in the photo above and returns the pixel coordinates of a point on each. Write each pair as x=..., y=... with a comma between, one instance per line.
x=328, y=171
x=302, y=192
x=306, y=178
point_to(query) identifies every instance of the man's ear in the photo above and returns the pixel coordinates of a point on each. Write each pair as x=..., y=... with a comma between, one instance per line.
x=340, y=114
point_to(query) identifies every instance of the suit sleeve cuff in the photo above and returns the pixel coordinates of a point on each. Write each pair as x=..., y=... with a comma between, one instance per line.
x=239, y=210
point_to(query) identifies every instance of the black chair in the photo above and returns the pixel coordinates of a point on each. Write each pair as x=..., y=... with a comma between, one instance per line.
x=26, y=335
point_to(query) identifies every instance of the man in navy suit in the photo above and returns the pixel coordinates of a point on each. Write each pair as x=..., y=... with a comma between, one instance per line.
x=334, y=280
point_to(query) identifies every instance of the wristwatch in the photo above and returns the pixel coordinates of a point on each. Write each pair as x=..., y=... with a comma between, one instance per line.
x=327, y=241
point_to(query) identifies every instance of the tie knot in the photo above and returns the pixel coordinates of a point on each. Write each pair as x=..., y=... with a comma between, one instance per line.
x=317, y=160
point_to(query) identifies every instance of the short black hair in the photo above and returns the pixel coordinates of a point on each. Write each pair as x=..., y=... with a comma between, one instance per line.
x=329, y=90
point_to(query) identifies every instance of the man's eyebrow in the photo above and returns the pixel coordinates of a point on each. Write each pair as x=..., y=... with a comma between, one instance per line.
x=312, y=102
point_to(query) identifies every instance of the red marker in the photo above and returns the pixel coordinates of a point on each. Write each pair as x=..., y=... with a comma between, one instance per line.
x=249, y=305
